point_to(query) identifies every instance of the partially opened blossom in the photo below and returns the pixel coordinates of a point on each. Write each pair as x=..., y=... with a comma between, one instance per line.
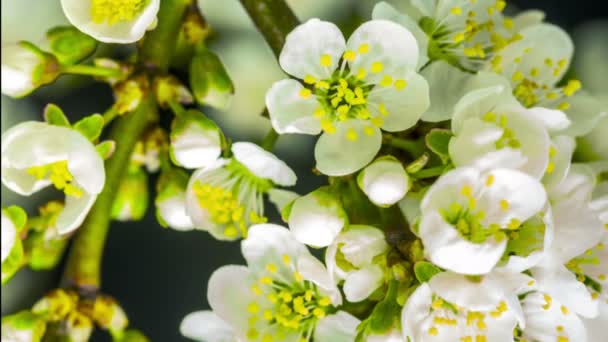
x=283, y=293
x=112, y=21
x=350, y=90
x=226, y=197
x=351, y=258
x=25, y=68
x=468, y=216
x=36, y=155
x=384, y=181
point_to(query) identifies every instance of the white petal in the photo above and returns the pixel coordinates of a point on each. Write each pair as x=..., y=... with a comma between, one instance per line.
x=123, y=32
x=542, y=324
x=458, y=289
x=306, y=44
x=206, y=326
x=383, y=10
x=281, y=198
x=74, y=212
x=446, y=248
x=563, y=146
x=9, y=235
x=585, y=113
x=388, y=43
x=229, y=293
x=263, y=164
x=337, y=155
x=527, y=18
x=360, y=244
x=339, y=327
x=359, y=284
x=317, y=218
x=195, y=141
x=554, y=120
x=416, y=311
x=314, y=271
x=384, y=181
x=290, y=112
x=446, y=190
x=268, y=244
x=173, y=212
x=18, y=66
x=476, y=103
x=403, y=106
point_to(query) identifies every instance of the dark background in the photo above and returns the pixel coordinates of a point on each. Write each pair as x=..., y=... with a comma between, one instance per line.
x=160, y=275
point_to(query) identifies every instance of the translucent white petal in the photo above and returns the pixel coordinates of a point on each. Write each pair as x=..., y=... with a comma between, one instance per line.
x=389, y=44
x=554, y=120
x=124, y=32
x=482, y=295
x=446, y=248
x=317, y=218
x=263, y=164
x=359, y=284
x=281, y=198
x=74, y=212
x=403, y=107
x=339, y=327
x=9, y=235
x=206, y=326
x=314, y=271
x=527, y=18
x=229, y=293
x=415, y=311
x=384, y=10
x=585, y=113
x=337, y=155
x=384, y=181
x=563, y=146
x=268, y=244
x=305, y=46
x=547, y=322
x=290, y=112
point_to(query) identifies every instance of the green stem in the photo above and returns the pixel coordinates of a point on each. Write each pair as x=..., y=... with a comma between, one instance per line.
x=176, y=108
x=274, y=19
x=83, y=269
x=109, y=115
x=270, y=140
x=415, y=148
x=159, y=44
x=90, y=70
x=430, y=173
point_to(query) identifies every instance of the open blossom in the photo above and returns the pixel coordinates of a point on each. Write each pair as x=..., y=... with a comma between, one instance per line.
x=226, y=197
x=351, y=258
x=36, y=155
x=112, y=21
x=468, y=216
x=283, y=293
x=350, y=90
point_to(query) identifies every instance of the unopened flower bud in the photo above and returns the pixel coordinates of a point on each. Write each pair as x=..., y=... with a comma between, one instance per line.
x=69, y=45
x=23, y=326
x=384, y=181
x=13, y=222
x=108, y=314
x=25, y=68
x=209, y=80
x=56, y=305
x=79, y=327
x=171, y=200
x=195, y=140
x=168, y=89
x=131, y=200
x=128, y=96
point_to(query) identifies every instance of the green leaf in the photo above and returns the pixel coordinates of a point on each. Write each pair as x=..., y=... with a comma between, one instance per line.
x=386, y=312
x=17, y=215
x=106, y=149
x=69, y=45
x=90, y=127
x=53, y=115
x=425, y=271
x=438, y=140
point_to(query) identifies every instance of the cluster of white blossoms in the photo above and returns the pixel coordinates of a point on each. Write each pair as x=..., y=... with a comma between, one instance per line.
x=459, y=204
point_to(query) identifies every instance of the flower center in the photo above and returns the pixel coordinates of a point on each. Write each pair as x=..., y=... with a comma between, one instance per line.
x=589, y=259
x=287, y=301
x=508, y=138
x=114, y=11
x=59, y=174
x=233, y=198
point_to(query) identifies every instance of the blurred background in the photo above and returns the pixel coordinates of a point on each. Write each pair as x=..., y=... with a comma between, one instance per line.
x=160, y=275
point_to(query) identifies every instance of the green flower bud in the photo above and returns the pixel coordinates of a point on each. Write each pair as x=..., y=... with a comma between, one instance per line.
x=23, y=326
x=168, y=89
x=69, y=45
x=13, y=223
x=131, y=200
x=209, y=80
x=108, y=314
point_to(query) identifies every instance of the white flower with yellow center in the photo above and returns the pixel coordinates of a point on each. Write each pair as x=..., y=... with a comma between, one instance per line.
x=349, y=91
x=25, y=68
x=384, y=181
x=451, y=307
x=534, y=64
x=284, y=294
x=226, y=197
x=112, y=21
x=491, y=127
x=351, y=258
x=36, y=155
x=465, y=33
x=469, y=216
x=195, y=140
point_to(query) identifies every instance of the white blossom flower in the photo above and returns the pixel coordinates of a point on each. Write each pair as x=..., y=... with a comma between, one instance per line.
x=429, y=316
x=534, y=64
x=112, y=21
x=384, y=181
x=36, y=155
x=226, y=197
x=283, y=294
x=25, y=68
x=351, y=258
x=549, y=320
x=195, y=140
x=171, y=200
x=468, y=216
x=490, y=125
x=317, y=218
x=350, y=90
